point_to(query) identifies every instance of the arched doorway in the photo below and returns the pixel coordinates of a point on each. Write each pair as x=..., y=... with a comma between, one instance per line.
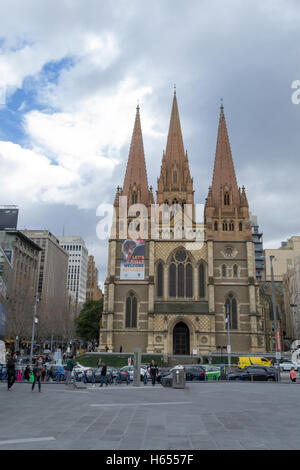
x=181, y=339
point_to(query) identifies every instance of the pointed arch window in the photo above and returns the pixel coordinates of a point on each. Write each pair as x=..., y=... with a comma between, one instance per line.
x=131, y=311
x=224, y=270
x=225, y=226
x=226, y=199
x=240, y=227
x=235, y=271
x=216, y=226
x=160, y=280
x=181, y=275
x=174, y=177
x=231, y=309
x=231, y=226
x=201, y=281
x=134, y=198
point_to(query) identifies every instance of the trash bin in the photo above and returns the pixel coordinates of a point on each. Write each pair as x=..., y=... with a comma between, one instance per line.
x=178, y=379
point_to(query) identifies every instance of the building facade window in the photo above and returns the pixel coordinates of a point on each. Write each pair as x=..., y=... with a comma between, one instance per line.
x=231, y=308
x=231, y=226
x=160, y=280
x=225, y=226
x=224, y=270
x=181, y=275
x=240, y=227
x=216, y=226
x=226, y=199
x=201, y=281
x=131, y=311
x=235, y=271
x=134, y=198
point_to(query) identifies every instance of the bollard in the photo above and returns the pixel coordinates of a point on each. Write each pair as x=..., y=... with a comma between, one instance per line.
x=127, y=379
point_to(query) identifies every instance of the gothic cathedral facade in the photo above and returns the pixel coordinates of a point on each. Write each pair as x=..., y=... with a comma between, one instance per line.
x=188, y=288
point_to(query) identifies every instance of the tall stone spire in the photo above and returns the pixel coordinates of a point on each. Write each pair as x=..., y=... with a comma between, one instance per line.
x=135, y=185
x=224, y=173
x=226, y=210
x=175, y=181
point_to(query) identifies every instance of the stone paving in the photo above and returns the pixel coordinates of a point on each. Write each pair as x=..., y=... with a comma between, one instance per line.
x=201, y=416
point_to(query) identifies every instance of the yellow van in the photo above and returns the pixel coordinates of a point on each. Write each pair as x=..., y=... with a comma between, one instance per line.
x=245, y=361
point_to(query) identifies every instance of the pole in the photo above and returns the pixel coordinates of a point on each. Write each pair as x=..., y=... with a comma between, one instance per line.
x=228, y=334
x=276, y=331
x=36, y=299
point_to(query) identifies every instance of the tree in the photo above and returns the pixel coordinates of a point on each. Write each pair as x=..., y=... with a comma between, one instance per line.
x=88, y=321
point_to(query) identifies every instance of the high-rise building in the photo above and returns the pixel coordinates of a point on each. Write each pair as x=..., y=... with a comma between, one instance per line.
x=93, y=292
x=166, y=294
x=284, y=258
x=77, y=265
x=258, y=248
x=19, y=266
x=52, y=281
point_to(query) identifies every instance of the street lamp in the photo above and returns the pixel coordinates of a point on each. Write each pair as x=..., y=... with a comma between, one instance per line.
x=35, y=320
x=276, y=331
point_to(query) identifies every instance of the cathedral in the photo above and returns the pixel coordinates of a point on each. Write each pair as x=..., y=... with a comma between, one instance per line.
x=166, y=293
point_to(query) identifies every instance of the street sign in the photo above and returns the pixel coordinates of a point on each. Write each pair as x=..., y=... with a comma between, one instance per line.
x=228, y=349
x=278, y=355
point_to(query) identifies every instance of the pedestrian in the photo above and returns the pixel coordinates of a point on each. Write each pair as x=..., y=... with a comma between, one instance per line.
x=121, y=348
x=99, y=362
x=106, y=348
x=127, y=378
x=119, y=378
x=93, y=379
x=103, y=375
x=84, y=377
x=19, y=376
x=27, y=372
x=11, y=370
x=37, y=371
x=293, y=374
x=43, y=374
x=70, y=367
x=145, y=378
x=153, y=371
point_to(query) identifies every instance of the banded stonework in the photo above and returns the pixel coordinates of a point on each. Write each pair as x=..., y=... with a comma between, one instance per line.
x=180, y=305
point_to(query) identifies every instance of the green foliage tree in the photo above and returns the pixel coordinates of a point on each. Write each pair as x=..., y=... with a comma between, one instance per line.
x=88, y=322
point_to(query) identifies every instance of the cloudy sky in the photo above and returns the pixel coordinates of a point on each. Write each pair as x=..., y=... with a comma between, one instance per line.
x=72, y=71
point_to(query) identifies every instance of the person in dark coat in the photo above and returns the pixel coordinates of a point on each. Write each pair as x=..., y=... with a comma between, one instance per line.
x=103, y=375
x=11, y=370
x=153, y=371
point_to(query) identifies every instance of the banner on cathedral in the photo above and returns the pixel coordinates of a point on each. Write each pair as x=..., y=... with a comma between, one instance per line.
x=132, y=259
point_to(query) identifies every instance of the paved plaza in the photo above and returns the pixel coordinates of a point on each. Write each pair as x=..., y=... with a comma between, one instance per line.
x=201, y=416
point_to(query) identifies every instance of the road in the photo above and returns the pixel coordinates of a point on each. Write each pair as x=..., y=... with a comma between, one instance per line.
x=210, y=415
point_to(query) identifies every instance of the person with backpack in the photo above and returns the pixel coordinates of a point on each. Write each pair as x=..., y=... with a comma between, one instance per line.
x=27, y=373
x=37, y=371
x=70, y=366
x=11, y=370
x=153, y=371
x=103, y=375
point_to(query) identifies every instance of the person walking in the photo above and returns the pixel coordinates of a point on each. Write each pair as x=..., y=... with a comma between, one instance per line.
x=70, y=367
x=106, y=348
x=37, y=371
x=293, y=374
x=103, y=375
x=11, y=370
x=153, y=371
x=121, y=348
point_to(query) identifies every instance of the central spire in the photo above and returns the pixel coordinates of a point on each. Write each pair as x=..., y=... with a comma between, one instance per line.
x=175, y=182
x=136, y=182
x=175, y=149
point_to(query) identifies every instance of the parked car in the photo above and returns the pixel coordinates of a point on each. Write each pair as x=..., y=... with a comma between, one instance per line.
x=191, y=372
x=287, y=365
x=212, y=372
x=79, y=370
x=109, y=370
x=60, y=371
x=245, y=361
x=129, y=370
x=255, y=373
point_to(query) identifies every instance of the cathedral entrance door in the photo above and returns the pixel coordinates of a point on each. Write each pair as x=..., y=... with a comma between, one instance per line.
x=181, y=339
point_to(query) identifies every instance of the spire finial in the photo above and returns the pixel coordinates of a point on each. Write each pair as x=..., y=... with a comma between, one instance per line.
x=221, y=107
x=138, y=105
x=174, y=88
